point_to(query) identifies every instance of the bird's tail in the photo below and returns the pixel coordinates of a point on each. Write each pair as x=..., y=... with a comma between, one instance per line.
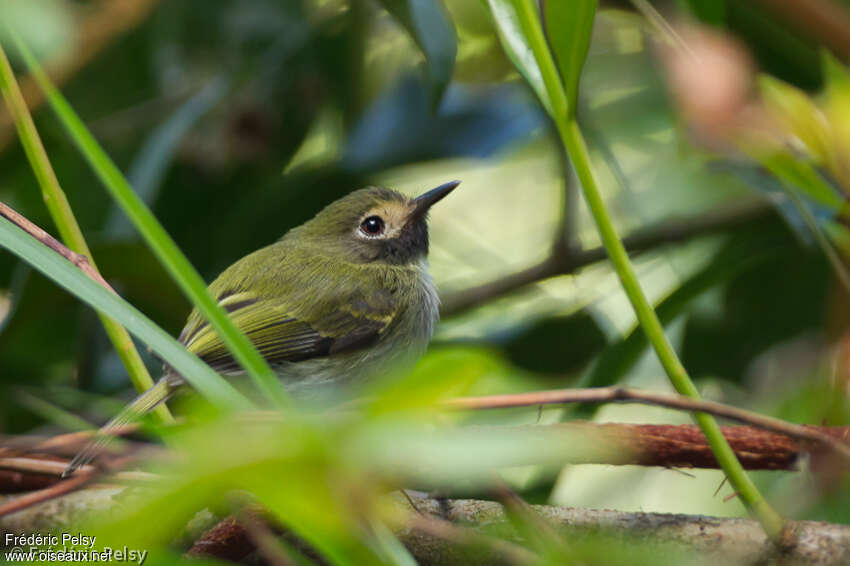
x=141, y=405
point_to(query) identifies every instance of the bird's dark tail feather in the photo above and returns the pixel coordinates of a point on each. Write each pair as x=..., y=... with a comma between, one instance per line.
x=141, y=405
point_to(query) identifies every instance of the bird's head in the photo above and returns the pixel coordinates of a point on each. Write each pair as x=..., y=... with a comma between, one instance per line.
x=374, y=224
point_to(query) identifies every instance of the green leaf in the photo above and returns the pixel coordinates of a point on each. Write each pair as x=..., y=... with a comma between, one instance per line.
x=518, y=48
x=430, y=27
x=157, y=238
x=798, y=113
x=795, y=173
x=65, y=274
x=569, y=26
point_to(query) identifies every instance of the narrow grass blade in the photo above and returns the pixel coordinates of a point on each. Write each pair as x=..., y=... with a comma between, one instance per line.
x=157, y=238
x=63, y=216
x=196, y=372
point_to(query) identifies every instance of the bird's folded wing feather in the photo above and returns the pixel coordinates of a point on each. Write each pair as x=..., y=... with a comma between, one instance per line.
x=288, y=330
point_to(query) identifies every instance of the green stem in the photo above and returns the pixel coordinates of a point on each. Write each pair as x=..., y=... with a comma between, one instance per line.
x=157, y=238
x=575, y=146
x=69, y=230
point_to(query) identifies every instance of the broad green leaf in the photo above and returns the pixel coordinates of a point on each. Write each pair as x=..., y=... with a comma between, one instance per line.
x=569, y=26
x=65, y=274
x=430, y=27
x=516, y=46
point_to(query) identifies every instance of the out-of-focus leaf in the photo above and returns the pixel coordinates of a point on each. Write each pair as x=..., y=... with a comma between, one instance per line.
x=761, y=180
x=746, y=250
x=432, y=30
x=803, y=176
x=210, y=384
x=46, y=25
x=837, y=110
x=557, y=346
x=397, y=128
x=569, y=26
x=778, y=300
x=709, y=11
x=798, y=113
x=149, y=167
x=391, y=547
x=516, y=46
x=442, y=374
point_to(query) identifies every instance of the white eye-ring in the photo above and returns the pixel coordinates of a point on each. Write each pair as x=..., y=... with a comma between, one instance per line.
x=373, y=227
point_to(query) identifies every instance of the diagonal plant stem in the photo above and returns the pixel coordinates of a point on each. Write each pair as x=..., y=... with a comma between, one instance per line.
x=575, y=146
x=60, y=210
x=165, y=249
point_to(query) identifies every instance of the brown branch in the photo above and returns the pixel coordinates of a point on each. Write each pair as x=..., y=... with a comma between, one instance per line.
x=564, y=260
x=42, y=236
x=52, y=492
x=449, y=527
x=837, y=440
x=38, y=466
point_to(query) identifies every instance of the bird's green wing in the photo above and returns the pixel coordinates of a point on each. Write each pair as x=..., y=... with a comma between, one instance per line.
x=294, y=320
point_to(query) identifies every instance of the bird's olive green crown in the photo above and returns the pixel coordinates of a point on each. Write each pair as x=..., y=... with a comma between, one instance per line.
x=374, y=224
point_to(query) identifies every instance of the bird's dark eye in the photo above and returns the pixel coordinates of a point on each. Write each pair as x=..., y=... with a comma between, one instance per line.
x=372, y=226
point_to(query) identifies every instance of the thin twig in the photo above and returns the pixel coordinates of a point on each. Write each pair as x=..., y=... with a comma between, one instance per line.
x=42, y=236
x=564, y=261
x=39, y=466
x=61, y=445
x=46, y=494
x=624, y=395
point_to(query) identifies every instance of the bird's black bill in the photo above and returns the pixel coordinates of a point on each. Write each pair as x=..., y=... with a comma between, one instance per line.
x=427, y=200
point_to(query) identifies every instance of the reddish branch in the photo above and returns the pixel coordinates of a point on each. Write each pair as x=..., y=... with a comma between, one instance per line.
x=834, y=438
x=51, y=492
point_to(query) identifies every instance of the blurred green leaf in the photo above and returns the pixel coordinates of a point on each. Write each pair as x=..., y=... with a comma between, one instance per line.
x=516, y=45
x=569, y=26
x=778, y=300
x=432, y=30
x=791, y=107
x=46, y=25
x=206, y=381
x=557, y=346
x=744, y=251
x=804, y=177
x=709, y=11
x=150, y=166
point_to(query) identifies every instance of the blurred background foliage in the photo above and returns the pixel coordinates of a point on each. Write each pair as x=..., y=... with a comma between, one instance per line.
x=237, y=120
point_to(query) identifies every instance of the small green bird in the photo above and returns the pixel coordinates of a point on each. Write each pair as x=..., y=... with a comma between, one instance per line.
x=335, y=299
